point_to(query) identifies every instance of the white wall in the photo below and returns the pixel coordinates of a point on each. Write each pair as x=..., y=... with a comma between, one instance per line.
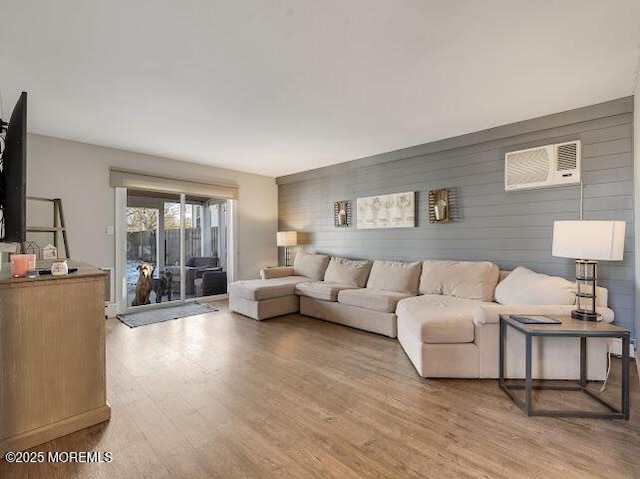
x=79, y=174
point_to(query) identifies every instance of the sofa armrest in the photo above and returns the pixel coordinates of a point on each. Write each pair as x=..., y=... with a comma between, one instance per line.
x=276, y=272
x=490, y=313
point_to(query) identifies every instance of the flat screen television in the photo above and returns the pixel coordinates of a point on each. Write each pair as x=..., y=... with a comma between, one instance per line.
x=13, y=178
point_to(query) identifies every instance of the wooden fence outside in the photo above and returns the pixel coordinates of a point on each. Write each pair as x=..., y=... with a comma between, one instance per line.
x=141, y=245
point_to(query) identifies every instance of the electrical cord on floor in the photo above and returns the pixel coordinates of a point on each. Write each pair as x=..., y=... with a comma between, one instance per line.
x=606, y=378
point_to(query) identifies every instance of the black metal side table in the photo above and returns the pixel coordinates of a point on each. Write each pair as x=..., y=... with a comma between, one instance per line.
x=568, y=328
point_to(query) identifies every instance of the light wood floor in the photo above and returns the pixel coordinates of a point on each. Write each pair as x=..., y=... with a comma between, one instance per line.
x=219, y=395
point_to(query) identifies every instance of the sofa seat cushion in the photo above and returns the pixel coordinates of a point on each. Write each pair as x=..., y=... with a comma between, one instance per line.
x=259, y=289
x=438, y=319
x=325, y=290
x=374, y=299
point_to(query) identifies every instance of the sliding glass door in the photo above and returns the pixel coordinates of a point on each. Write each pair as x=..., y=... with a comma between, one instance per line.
x=176, y=247
x=205, y=247
x=153, y=248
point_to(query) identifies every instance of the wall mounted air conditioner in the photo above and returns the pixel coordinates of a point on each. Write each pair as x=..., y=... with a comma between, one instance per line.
x=543, y=167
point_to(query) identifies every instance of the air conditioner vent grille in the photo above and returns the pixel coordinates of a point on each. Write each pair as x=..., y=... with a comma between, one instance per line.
x=543, y=166
x=530, y=166
x=567, y=156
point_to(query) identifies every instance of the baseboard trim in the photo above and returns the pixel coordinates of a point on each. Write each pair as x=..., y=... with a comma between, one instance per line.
x=55, y=430
x=215, y=297
x=616, y=348
x=111, y=310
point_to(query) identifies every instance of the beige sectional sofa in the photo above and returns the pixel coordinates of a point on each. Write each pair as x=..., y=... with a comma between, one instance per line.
x=445, y=314
x=275, y=294
x=363, y=301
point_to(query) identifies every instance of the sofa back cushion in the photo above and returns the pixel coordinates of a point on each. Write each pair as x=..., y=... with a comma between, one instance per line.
x=395, y=276
x=463, y=279
x=310, y=266
x=348, y=272
x=602, y=294
x=523, y=286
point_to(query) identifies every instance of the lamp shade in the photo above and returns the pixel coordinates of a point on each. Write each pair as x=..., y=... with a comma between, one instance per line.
x=287, y=238
x=594, y=240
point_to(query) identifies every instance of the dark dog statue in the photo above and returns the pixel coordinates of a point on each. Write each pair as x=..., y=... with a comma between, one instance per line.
x=144, y=286
x=162, y=286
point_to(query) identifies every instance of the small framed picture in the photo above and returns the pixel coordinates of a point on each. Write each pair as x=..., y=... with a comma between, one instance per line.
x=342, y=214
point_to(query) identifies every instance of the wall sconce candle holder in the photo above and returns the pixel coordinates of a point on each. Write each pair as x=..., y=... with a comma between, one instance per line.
x=439, y=208
x=342, y=214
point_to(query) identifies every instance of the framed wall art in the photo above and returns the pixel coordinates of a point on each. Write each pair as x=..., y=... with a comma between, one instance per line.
x=396, y=210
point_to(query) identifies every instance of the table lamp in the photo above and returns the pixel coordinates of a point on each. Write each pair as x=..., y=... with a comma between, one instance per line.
x=286, y=239
x=586, y=242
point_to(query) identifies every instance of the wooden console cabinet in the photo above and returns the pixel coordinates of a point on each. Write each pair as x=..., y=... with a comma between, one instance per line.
x=52, y=356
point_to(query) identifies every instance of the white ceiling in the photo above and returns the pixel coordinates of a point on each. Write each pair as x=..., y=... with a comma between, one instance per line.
x=282, y=86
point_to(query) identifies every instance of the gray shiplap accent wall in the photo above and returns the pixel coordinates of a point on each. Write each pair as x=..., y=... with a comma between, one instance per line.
x=509, y=229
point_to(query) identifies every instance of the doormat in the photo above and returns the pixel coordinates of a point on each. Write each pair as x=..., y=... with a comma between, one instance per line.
x=159, y=315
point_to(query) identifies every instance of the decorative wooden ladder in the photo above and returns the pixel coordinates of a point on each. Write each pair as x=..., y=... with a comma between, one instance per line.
x=59, y=225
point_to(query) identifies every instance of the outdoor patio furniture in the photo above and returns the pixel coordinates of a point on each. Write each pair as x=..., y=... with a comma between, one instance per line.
x=195, y=267
x=211, y=283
